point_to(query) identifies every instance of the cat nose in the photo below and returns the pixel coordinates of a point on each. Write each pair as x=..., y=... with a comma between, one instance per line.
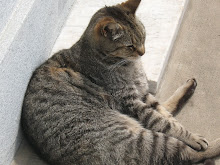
x=141, y=50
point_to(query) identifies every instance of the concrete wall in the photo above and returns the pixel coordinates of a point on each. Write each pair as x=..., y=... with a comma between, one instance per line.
x=7, y=6
x=28, y=30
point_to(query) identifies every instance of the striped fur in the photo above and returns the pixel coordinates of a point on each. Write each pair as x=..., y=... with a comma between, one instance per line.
x=90, y=105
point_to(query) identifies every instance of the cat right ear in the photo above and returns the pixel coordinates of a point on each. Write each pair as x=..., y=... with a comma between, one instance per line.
x=131, y=5
x=108, y=28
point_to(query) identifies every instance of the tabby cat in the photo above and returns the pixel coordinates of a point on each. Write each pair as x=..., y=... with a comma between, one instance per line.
x=90, y=104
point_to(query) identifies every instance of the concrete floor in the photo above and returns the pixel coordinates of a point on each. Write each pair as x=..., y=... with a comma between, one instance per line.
x=196, y=53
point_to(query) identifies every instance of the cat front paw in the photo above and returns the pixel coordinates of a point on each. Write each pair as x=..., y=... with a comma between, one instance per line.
x=198, y=142
x=191, y=84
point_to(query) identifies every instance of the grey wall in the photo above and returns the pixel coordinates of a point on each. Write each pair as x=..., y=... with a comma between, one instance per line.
x=28, y=30
x=6, y=7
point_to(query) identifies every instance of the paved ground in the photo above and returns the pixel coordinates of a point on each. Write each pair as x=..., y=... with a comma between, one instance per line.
x=196, y=53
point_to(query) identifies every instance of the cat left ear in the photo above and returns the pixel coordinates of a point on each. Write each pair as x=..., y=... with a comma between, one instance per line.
x=109, y=28
x=112, y=31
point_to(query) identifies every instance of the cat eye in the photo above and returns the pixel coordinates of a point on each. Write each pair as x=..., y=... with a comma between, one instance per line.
x=128, y=13
x=131, y=47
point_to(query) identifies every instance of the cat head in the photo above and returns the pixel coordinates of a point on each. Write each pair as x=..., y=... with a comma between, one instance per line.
x=116, y=32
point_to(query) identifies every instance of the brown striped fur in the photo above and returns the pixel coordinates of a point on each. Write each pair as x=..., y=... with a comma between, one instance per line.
x=90, y=104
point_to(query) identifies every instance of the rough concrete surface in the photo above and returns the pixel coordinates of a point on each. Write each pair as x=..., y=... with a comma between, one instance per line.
x=196, y=53
x=5, y=12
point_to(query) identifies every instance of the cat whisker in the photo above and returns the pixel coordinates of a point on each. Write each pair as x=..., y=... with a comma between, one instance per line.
x=117, y=65
x=105, y=57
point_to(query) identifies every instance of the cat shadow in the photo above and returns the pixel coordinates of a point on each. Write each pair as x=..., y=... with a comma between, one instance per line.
x=26, y=155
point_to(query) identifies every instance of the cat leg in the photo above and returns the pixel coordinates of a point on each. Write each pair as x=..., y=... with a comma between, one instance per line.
x=155, y=148
x=152, y=101
x=175, y=102
x=206, y=162
x=144, y=146
x=155, y=121
x=180, y=96
x=179, y=129
x=209, y=162
x=212, y=151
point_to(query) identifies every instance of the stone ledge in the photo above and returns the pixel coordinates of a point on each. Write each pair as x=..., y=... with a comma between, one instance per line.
x=161, y=18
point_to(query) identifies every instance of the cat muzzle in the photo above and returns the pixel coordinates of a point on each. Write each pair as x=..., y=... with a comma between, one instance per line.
x=140, y=50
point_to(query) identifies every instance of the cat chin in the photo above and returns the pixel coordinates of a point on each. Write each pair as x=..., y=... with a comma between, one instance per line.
x=127, y=58
x=133, y=58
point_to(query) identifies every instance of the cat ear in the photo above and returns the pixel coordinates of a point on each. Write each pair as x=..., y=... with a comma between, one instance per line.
x=109, y=28
x=131, y=5
x=112, y=31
